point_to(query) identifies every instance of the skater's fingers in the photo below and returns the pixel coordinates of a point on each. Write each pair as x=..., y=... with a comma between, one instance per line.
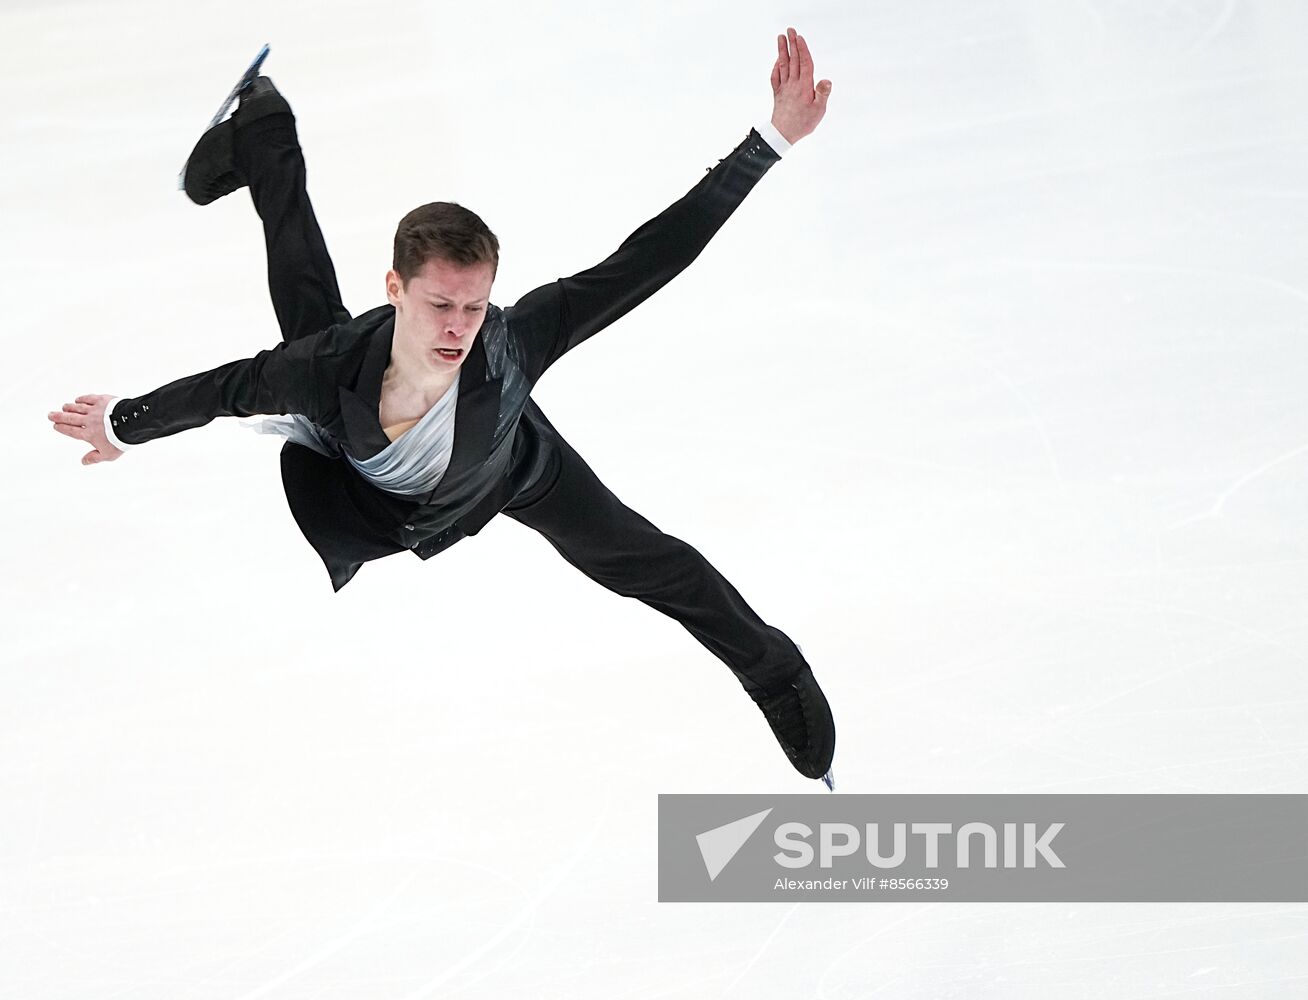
x=805, y=65
x=82, y=408
x=793, y=55
x=783, y=60
x=69, y=430
x=91, y=399
x=71, y=419
x=776, y=76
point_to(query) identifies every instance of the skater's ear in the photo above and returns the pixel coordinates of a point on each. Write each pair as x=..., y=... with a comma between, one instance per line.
x=394, y=287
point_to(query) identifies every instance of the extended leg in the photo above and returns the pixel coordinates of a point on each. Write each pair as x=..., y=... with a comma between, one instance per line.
x=258, y=146
x=301, y=276
x=622, y=551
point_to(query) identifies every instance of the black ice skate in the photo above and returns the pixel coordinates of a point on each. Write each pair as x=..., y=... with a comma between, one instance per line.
x=210, y=159
x=211, y=171
x=801, y=721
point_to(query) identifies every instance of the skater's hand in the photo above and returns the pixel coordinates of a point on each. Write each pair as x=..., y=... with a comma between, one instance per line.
x=84, y=420
x=796, y=106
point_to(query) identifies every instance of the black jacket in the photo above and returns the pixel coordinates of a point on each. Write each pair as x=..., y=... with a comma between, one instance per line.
x=500, y=437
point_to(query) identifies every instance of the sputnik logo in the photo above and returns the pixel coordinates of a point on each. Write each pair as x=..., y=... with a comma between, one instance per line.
x=718, y=846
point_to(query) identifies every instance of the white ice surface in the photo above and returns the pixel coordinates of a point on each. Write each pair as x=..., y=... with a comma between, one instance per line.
x=992, y=395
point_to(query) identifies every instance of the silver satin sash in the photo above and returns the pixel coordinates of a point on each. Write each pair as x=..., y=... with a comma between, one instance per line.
x=413, y=463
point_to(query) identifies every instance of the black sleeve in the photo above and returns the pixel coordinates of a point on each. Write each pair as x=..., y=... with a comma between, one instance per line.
x=283, y=379
x=555, y=318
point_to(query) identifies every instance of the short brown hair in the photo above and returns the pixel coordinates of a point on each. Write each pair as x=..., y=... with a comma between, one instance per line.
x=446, y=231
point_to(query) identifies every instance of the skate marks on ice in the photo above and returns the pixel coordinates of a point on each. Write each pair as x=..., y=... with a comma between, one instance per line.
x=447, y=908
x=1090, y=951
x=1201, y=275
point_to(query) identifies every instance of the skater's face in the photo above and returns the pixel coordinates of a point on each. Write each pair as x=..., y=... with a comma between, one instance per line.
x=438, y=314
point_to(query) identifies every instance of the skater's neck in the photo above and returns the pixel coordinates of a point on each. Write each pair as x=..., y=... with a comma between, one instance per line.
x=414, y=378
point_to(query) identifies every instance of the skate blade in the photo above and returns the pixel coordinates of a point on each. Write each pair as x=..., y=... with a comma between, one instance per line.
x=246, y=79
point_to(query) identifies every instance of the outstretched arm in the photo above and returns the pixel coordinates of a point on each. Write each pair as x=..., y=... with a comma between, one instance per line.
x=555, y=318
x=280, y=380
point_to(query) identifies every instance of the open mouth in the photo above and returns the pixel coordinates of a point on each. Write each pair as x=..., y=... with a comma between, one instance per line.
x=450, y=353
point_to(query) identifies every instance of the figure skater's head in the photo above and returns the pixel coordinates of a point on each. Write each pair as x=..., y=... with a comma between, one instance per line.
x=446, y=230
x=440, y=282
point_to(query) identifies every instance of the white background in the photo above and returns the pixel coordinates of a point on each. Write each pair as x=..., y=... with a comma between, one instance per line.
x=991, y=395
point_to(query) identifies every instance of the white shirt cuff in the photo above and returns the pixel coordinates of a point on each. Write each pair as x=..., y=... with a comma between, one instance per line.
x=108, y=426
x=774, y=139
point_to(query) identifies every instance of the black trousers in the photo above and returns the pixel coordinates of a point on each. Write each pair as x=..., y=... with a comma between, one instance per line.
x=589, y=526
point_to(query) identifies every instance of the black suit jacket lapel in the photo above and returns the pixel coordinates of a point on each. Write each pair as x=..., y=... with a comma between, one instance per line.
x=475, y=415
x=360, y=407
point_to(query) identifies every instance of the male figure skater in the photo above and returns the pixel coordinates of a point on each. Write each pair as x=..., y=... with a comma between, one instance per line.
x=411, y=425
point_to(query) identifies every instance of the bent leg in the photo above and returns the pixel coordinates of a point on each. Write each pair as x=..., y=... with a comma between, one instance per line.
x=301, y=277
